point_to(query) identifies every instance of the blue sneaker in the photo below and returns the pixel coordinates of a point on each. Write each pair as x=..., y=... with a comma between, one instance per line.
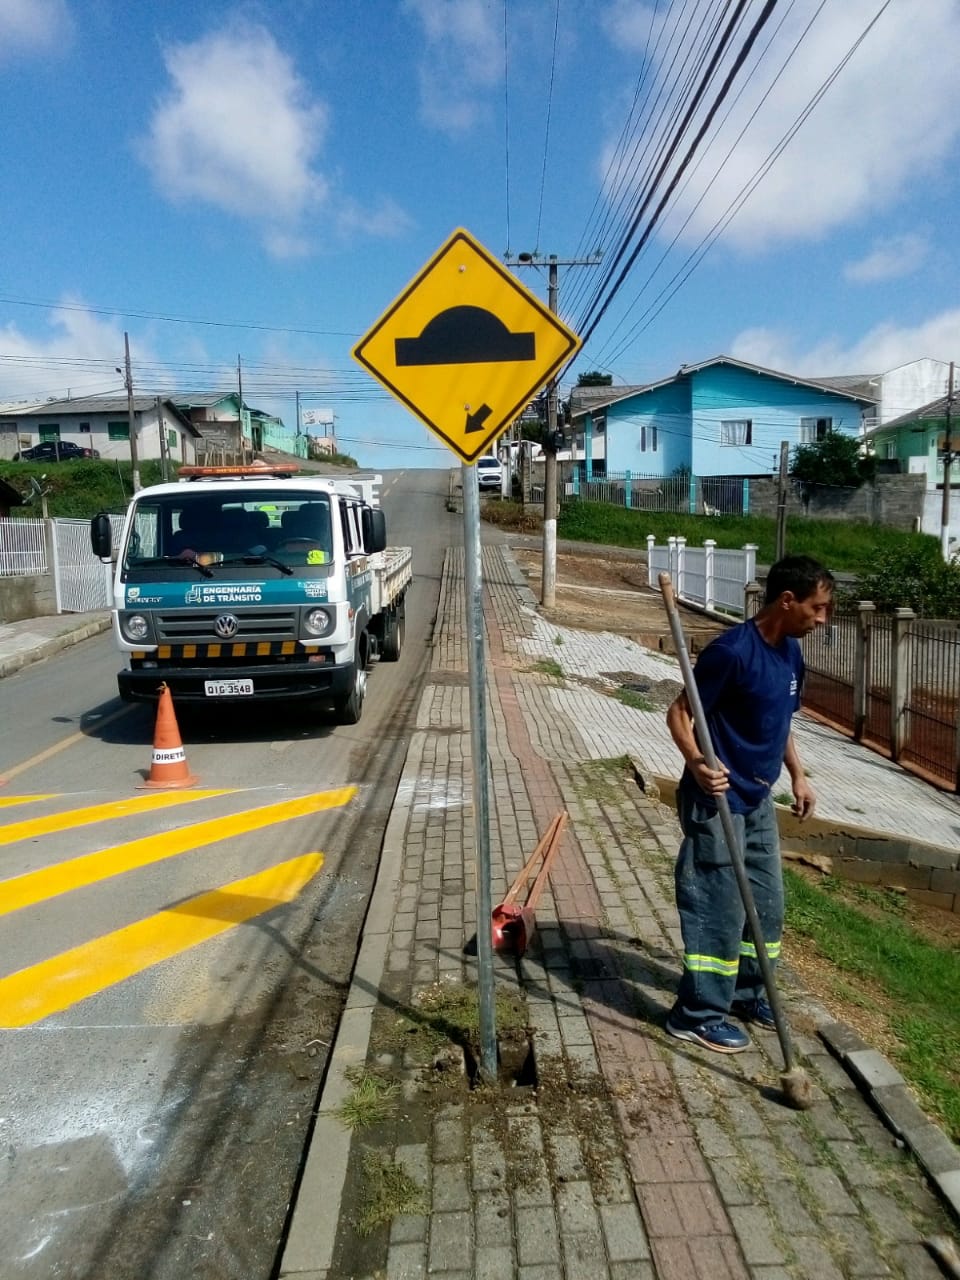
x=755, y=1011
x=721, y=1037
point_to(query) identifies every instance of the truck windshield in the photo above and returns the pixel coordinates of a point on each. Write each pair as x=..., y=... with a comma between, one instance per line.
x=283, y=530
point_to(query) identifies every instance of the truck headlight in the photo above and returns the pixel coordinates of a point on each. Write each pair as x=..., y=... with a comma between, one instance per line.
x=135, y=627
x=318, y=622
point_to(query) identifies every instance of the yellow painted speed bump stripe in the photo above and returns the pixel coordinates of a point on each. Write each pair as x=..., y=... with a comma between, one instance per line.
x=37, y=886
x=7, y=801
x=32, y=994
x=32, y=827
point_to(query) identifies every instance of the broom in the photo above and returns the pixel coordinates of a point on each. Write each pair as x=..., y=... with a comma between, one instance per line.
x=796, y=1087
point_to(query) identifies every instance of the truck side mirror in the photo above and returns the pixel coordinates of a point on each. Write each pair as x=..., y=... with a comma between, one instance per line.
x=374, y=528
x=101, y=535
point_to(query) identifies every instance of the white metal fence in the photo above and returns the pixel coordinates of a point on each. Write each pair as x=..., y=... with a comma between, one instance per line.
x=23, y=548
x=714, y=579
x=81, y=581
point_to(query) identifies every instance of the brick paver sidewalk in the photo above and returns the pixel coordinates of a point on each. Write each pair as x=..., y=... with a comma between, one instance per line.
x=624, y=1154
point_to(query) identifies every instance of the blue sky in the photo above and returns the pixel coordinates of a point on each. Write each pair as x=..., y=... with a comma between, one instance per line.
x=280, y=171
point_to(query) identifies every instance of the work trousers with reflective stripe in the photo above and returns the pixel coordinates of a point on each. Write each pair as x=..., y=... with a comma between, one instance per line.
x=720, y=960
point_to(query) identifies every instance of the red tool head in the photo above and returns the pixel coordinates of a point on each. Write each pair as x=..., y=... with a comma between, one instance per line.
x=513, y=927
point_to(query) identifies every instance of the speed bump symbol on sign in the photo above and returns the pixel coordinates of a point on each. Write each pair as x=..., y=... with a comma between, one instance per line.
x=465, y=346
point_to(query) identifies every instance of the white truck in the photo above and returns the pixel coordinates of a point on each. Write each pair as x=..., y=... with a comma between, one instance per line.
x=255, y=583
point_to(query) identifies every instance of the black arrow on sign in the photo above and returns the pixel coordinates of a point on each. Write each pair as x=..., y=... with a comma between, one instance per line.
x=476, y=419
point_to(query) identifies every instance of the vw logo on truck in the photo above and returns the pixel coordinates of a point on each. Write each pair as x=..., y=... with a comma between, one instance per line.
x=226, y=626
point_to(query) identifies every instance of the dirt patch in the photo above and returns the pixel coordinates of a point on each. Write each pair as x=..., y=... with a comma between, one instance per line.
x=594, y=593
x=524, y=1126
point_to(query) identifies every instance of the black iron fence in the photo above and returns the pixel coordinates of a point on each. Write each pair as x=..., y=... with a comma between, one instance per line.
x=891, y=682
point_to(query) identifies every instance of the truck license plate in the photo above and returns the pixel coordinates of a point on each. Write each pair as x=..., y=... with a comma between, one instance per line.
x=227, y=688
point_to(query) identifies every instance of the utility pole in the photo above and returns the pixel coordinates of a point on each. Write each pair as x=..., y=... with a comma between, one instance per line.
x=243, y=447
x=548, y=579
x=131, y=416
x=548, y=575
x=947, y=460
x=164, y=450
x=782, y=500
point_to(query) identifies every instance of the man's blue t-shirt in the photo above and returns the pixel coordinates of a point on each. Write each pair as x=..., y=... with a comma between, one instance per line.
x=750, y=690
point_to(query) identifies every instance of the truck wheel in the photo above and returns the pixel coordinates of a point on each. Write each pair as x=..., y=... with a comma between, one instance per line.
x=350, y=708
x=393, y=636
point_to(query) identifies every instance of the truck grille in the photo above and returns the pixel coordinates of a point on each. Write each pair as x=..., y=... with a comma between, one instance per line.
x=188, y=626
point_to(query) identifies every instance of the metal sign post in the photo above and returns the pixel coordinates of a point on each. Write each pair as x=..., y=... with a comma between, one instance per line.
x=464, y=347
x=476, y=659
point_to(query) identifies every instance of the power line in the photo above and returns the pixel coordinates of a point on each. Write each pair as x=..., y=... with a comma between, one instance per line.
x=152, y=315
x=506, y=118
x=662, y=106
x=546, y=140
x=696, y=256
x=592, y=320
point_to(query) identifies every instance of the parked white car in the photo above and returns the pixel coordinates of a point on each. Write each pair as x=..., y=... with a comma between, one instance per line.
x=490, y=472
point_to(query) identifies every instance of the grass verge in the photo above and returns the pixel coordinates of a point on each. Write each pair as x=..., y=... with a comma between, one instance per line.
x=370, y=1102
x=547, y=667
x=845, y=546
x=449, y=1014
x=387, y=1191
x=872, y=957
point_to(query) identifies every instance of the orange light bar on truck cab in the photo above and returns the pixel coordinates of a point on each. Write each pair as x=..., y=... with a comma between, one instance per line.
x=256, y=471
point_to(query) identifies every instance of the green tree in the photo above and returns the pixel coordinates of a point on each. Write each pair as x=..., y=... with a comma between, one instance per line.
x=835, y=460
x=912, y=576
x=595, y=379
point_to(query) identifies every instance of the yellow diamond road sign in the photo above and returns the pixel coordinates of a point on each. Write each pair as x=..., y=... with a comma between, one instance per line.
x=465, y=346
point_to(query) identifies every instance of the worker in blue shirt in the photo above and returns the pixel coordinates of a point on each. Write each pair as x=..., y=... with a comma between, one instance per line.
x=749, y=679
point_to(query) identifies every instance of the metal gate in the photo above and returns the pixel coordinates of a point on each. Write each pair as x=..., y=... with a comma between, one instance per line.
x=82, y=582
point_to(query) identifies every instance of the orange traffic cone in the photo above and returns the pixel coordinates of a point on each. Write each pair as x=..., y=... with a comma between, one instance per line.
x=168, y=767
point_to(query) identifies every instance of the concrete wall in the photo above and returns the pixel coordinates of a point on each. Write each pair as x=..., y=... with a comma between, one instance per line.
x=897, y=501
x=30, y=597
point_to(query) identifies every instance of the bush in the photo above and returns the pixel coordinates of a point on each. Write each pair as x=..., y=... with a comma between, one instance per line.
x=835, y=460
x=912, y=576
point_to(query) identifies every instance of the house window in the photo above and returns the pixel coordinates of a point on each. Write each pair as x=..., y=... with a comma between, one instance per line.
x=49, y=431
x=736, y=431
x=643, y=439
x=118, y=430
x=814, y=429
x=653, y=438
x=889, y=448
x=84, y=428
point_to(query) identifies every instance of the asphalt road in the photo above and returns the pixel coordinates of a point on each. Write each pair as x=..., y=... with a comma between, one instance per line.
x=172, y=967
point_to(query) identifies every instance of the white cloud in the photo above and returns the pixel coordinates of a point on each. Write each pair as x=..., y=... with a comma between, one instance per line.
x=33, y=27
x=239, y=130
x=891, y=117
x=386, y=219
x=889, y=259
x=78, y=357
x=885, y=346
x=462, y=60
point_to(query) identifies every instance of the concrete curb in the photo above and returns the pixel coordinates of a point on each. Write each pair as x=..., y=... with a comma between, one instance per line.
x=308, y=1253
x=16, y=661
x=887, y=1090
